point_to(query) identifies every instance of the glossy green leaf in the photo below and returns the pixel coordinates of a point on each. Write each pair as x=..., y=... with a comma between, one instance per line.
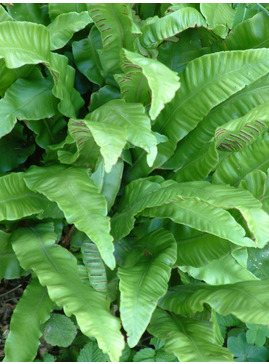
x=24, y=43
x=59, y=330
x=91, y=353
x=144, y=283
x=238, y=133
x=228, y=197
x=9, y=265
x=64, y=26
x=191, y=147
x=246, y=300
x=163, y=87
x=109, y=183
x=219, y=17
x=32, y=310
x=18, y=201
x=63, y=89
x=251, y=33
x=196, y=248
x=34, y=13
x=153, y=33
x=189, y=339
x=257, y=182
x=199, y=167
x=56, y=268
x=133, y=118
x=87, y=58
x=94, y=265
x=236, y=166
x=79, y=200
x=221, y=271
x=258, y=260
x=200, y=91
x=26, y=100
x=114, y=22
x=87, y=151
x=151, y=355
x=111, y=138
x=56, y=9
x=202, y=216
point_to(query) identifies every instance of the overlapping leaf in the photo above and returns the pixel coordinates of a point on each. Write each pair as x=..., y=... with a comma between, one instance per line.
x=56, y=269
x=114, y=21
x=154, y=32
x=236, y=166
x=246, y=300
x=202, y=216
x=238, y=133
x=26, y=100
x=142, y=284
x=32, y=310
x=189, y=339
x=64, y=26
x=80, y=201
x=206, y=82
x=130, y=117
x=221, y=271
x=163, y=87
x=18, y=201
x=9, y=265
x=191, y=147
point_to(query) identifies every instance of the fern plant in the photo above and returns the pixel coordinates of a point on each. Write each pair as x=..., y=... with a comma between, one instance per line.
x=134, y=180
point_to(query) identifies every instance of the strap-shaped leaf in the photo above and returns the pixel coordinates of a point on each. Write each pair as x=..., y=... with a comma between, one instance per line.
x=142, y=284
x=115, y=24
x=32, y=310
x=24, y=43
x=238, y=133
x=64, y=26
x=219, y=17
x=80, y=201
x=57, y=269
x=189, y=339
x=246, y=300
x=257, y=182
x=64, y=76
x=56, y=9
x=153, y=33
x=206, y=82
x=196, y=248
x=28, y=43
x=204, y=217
x=111, y=138
x=236, y=166
x=9, y=265
x=95, y=266
x=131, y=117
x=26, y=100
x=200, y=166
x=189, y=149
x=163, y=87
x=228, y=197
x=87, y=58
x=221, y=271
x=87, y=150
x=251, y=33
x=18, y=201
